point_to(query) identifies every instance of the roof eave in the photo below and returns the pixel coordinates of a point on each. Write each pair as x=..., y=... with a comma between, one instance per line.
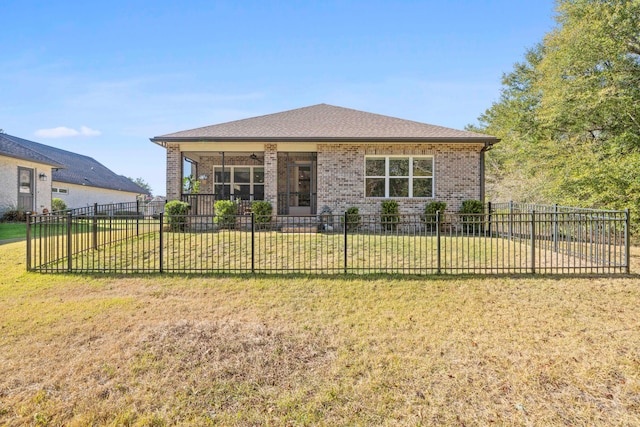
x=29, y=159
x=162, y=141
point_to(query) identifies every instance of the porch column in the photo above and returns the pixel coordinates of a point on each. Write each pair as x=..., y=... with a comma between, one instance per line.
x=174, y=172
x=271, y=175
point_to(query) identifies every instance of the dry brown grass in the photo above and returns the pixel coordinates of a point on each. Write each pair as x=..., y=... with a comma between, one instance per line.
x=273, y=350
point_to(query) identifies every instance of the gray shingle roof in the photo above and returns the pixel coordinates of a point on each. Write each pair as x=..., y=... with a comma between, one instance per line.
x=72, y=168
x=11, y=146
x=324, y=122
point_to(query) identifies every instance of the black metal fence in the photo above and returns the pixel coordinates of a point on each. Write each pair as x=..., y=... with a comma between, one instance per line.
x=553, y=240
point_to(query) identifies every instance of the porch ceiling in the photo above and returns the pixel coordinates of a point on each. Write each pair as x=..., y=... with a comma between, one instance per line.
x=197, y=154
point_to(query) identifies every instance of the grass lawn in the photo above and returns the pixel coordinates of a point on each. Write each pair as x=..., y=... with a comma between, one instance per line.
x=158, y=350
x=12, y=230
x=137, y=248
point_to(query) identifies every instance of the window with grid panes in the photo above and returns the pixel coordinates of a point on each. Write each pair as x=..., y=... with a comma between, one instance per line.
x=399, y=176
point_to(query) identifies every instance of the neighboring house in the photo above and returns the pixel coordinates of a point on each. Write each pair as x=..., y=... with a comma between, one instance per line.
x=25, y=175
x=32, y=174
x=305, y=159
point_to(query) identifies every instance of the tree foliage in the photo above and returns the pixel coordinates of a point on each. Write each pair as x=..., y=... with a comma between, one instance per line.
x=569, y=114
x=143, y=184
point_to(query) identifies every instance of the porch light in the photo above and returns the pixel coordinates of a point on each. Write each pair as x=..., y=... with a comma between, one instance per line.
x=42, y=176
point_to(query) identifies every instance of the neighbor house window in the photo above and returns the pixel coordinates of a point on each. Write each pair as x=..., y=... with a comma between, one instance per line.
x=241, y=182
x=59, y=190
x=398, y=176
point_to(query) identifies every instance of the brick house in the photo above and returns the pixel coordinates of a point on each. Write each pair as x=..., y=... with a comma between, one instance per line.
x=305, y=159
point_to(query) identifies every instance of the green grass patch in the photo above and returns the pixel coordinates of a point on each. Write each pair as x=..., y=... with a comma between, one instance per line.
x=12, y=230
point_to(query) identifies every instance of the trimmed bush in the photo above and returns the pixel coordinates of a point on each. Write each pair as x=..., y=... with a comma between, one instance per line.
x=353, y=218
x=390, y=215
x=13, y=215
x=226, y=211
x=58, y=205
x=430, y=210
x=176, y=212
x=262, y=211
x=472, y=217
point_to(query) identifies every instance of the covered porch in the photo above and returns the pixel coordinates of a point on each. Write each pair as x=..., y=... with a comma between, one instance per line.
x=286, y=179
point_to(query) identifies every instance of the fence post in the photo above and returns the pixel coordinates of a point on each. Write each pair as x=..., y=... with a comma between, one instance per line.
x=555, y=227
x=510, y=231
x=161, y=239
x=253, y=243
x=345, y=242
x=28, y=241
x=489, y=218
x=627, y=219
x=137, y=217
x=438, y=247
x=69, y=246
x=94, y=226
x=533, y=242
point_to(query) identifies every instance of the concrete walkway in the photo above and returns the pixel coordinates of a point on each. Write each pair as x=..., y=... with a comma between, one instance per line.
x=17, y=239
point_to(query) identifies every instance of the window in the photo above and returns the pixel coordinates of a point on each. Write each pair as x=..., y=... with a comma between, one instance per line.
x=398, y=176
x=242, y=182
x=59, y=190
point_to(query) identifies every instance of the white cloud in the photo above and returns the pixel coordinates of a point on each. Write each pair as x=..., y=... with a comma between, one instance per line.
x=65, y=132
x=85, y=131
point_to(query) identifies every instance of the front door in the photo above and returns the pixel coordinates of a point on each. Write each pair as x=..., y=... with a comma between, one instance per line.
x=25, y=189
x=300, y=189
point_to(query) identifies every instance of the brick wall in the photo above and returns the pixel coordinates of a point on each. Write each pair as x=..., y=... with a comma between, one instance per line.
x=341, y=175
x=271, y=174
x=174, y=172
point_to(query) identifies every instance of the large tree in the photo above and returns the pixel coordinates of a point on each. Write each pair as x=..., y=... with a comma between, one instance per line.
x=569, y=115
x=142, y=183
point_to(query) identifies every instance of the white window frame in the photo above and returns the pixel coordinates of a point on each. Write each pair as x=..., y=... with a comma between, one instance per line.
x=60, y=190
x=231, y=183
x=410, y=177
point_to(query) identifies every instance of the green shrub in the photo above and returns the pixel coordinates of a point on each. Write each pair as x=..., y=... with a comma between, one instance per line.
x=13, y=215
x=430, y=210
x=472, y=216
x=176, y=212
x=225, y=213
x=58, y=205
x=353, y=218
x=390, y=215
x=262, y=211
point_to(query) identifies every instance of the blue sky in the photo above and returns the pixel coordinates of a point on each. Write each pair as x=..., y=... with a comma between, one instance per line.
x=101, y=78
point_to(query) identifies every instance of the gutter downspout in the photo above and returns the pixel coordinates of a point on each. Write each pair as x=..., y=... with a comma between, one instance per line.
x=487, y=147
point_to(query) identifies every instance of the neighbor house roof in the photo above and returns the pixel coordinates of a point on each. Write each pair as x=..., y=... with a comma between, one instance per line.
x=10, y=146
x=324, y=122
x=68, y=167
